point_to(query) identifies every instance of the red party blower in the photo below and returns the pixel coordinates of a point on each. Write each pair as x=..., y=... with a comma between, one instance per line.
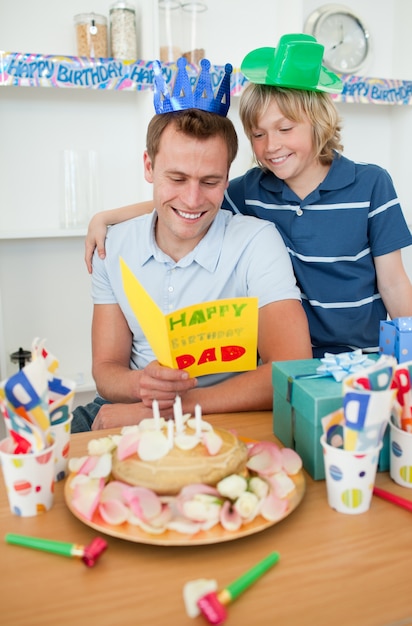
x=212, y=605
x=89, y=554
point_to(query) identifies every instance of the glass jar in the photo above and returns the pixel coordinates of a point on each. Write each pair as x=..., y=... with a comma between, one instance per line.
x=170, y=18
x=91, y=35
x=194, y=30
x=123, y=38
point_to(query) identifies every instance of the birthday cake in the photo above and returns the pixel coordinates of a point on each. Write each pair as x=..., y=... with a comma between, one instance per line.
x=183, y=476
x=191, y=459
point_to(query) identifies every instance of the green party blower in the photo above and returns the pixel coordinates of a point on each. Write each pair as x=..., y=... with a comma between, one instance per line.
x=212, y=605
x=88, y=554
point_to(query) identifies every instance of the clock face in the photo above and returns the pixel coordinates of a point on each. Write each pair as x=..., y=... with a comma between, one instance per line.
x=346, y=40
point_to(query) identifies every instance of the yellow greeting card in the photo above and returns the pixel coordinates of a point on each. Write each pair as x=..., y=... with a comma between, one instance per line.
x=205, y=338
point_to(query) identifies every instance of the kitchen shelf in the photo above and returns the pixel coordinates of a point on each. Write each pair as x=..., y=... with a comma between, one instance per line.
x=37, y=70
x=87, y=387
x=43, y=234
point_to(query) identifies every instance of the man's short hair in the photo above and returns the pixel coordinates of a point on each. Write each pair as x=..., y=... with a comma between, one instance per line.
x=193, y=123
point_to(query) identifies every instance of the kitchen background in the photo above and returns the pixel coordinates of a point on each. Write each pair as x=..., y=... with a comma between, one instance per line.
x=44, y=285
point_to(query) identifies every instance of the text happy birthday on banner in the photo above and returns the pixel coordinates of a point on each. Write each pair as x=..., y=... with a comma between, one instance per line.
x=38, y=70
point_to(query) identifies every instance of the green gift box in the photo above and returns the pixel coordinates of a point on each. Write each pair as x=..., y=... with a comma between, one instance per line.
x=299, y=404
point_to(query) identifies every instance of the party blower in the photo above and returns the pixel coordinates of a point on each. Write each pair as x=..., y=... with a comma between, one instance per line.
x=89, y=554
x=212, y=605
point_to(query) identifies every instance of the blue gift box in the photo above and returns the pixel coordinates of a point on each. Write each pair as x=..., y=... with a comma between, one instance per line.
x=299, y=404
x=395, y=338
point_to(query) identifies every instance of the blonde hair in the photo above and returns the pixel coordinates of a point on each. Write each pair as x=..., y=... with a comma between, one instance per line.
x=295, y=105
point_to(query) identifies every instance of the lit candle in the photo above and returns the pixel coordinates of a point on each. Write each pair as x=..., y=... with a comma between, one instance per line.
x=178, y=415
x=198, y=420
x=170, y=430
x=156, y=414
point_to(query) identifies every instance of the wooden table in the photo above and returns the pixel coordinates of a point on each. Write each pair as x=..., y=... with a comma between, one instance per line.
x=334, y=569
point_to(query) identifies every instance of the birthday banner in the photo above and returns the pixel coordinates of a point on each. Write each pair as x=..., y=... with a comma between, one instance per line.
x=38, y=70
x=374, y=91
x=206, y=338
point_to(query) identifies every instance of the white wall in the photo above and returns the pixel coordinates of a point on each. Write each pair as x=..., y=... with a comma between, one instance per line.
x=114, y=123
x=44, y=287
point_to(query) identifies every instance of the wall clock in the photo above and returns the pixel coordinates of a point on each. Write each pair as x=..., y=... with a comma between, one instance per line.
x=345, y=37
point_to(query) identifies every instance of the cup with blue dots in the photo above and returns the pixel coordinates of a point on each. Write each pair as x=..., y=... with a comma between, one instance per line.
x=400, y=455
x=350, y=477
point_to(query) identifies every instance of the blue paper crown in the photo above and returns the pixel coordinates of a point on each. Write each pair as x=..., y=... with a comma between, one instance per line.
x=182, y=97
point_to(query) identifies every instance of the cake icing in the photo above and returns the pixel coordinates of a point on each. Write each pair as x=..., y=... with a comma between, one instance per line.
x=182, y=467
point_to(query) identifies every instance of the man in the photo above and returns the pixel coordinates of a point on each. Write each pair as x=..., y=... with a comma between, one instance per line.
x=188, y=251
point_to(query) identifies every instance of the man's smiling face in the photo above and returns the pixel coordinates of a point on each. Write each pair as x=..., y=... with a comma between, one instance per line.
x=189, y=178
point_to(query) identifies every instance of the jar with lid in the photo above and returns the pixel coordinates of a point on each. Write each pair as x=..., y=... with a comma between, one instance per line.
x=123, y=38
x=91, y=35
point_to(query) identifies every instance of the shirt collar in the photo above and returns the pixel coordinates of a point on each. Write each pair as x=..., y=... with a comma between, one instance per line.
x=341, y=174
x=206, y=253
x=147, y=243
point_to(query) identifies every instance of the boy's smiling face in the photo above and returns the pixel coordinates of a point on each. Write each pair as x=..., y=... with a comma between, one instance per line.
x=286, y=148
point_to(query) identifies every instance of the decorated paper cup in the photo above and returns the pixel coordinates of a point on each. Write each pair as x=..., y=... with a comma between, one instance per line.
x=350, y=477
x=29, y=479
x=400, y=456
x=367, y=414
x=61, y=434
x=61, y=396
